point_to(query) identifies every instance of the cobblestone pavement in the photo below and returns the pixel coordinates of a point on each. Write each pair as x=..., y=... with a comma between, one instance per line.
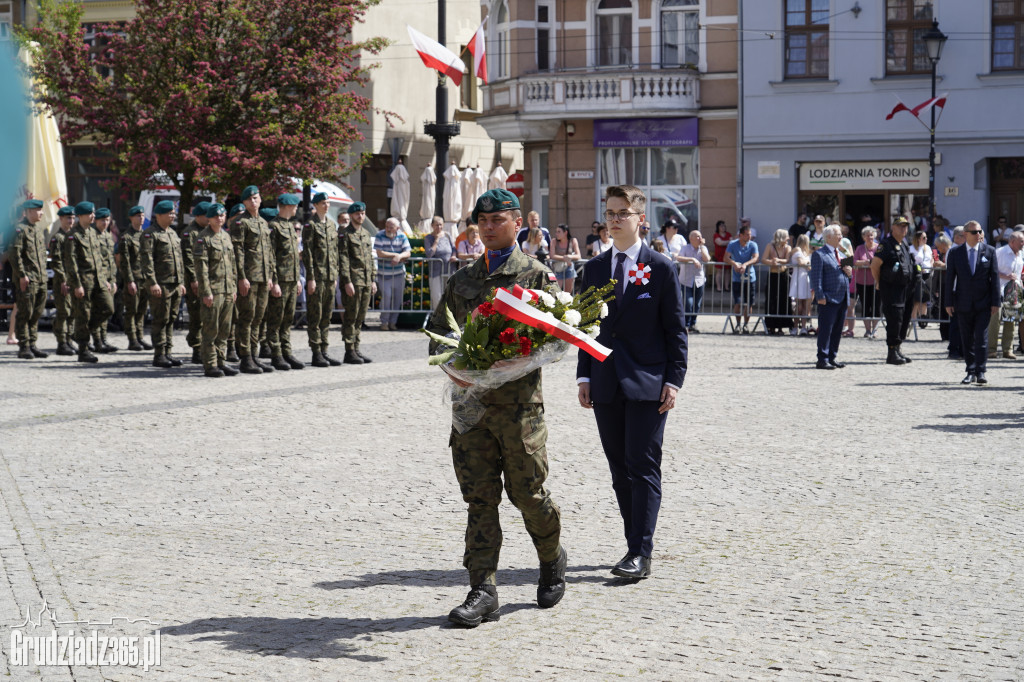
x=859, y=524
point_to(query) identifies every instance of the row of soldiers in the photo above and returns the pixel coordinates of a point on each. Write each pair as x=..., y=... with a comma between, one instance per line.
x=237, y=273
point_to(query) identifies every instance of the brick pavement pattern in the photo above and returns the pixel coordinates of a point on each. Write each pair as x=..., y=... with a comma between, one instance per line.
x=859, y=524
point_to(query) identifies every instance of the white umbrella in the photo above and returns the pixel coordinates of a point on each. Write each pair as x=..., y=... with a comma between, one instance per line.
x=428, y=183
x=479, y=183
x=400, y=196
x=498, y=178
x=452, y=195
x=468, y=201
x=45, y=178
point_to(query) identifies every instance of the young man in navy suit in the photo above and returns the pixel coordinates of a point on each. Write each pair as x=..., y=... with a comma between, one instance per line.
x=632, y=391
x=972, y=293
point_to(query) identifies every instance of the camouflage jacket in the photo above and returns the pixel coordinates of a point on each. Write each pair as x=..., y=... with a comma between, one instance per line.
x=161, y=258
x=188, y=236
x=469, y=287
x=214, y=257
x=83, y=256
x=27, y=252
x=57, y=255
x=319, y=255
x=356, y=262
x=286, y=248
x=254, y=252
x=128, y=247
x=107, y=252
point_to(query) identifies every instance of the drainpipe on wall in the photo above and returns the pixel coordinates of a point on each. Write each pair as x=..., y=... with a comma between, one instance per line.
x=739, y=114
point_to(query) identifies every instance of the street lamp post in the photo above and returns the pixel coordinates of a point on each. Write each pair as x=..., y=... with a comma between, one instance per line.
x=934, y=40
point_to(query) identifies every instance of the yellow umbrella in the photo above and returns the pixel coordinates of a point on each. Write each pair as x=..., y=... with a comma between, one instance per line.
x=45, y=178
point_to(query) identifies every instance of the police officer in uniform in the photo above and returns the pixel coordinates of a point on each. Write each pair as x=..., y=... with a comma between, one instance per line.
x=895, y=273
x=164, y=274
x=88, y=279
x=218, y=286
x=134, y=297
x=102, y=224
x=188, y=235
x=255, y=264
x=61, y=294
x=358, y=276
x=281, y=309
x=509, y=440
x=320, y=256
x=27, y=254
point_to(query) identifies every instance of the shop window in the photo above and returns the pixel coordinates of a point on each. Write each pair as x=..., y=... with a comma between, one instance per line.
x=614, y=33
x=668, y=176
x=906, y=22
x=1007, y=35
x=806, y=38
x=499, y=67
x=680, y=34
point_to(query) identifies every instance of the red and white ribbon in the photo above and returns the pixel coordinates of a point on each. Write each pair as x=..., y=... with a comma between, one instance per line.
x=641, y=274
x=512, y=304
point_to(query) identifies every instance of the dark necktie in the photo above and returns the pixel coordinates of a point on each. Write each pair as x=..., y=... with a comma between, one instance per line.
x=619, y=274
x=973, y=253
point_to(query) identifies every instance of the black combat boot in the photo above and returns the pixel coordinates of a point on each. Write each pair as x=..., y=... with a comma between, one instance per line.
x=145, y=344
x=362, y=357
x=265, y=353
x=196, y=360
x=85, y=355
x=249, y=366
x=36, y=352
x=133, y=344
x=214, y=372
x=232, y=355
x=319, y=360
x=98, y=346
x=352, y=358
x=899, y=352
x=481, y=605
x=64, y=349
x=277, y=362
x=175, y=362
x=551, y=585
x=330, y=361
x=894, y=357
x=228, y=370
x=162, y=361
x=262, y=365
x=72, y=345
x=107, y=348
x=24, y=353
x=293, y=361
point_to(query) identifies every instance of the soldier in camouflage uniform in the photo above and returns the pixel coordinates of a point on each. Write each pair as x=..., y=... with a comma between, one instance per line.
x=102, y=224
x=509, y=440
x=27, y=254
x=234, y=215
x=256, y=266
x=134, y=296
x=188, y=235
x=61, y=294
x=281, y=309
x=164, y=274
x=358, y=275
x=267, y=214
x=320, y=256
x=218, y=286
x=89, y=278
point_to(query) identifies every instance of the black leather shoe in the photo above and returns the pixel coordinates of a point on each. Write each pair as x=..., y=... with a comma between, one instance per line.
x=362, y=357
x=318, y=360
x=899, y=352
x=980, y=378
x=214, y=372
x=551, y=585
x=633, y=566
x=277, y=362
x=954, y=356
x=162, y=361
x=249, y=366
x=894, y=358
x=969, y=379
x=293, y=361
x=352, y=358
x=145, y=345
x=196, y=360
x=228, y=370
x=824, y=364
x=837, y=364
x=333, y=362
x=481, y=605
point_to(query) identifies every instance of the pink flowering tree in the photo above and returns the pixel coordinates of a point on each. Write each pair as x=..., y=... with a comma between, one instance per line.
x=216, y=94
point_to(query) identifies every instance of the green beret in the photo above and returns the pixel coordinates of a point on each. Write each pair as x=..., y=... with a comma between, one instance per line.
x=163, y=207
x=102, y=212
x=215, y=210
x=250, y=191
x=135, y=210
x=32, y=203
x=65, y=210
x=236, y=209
x=356, y=207
x=200, y=208
x=85, y=208
x=288, y=200
x=494, y=200
x=318, y=197
x=268, y=213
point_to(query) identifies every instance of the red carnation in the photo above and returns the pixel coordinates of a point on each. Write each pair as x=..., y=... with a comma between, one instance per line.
x=486, y=309
x=509, y=337
x=524, y=345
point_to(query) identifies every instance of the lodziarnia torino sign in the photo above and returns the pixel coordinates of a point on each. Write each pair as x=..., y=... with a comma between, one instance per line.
x=878, y=175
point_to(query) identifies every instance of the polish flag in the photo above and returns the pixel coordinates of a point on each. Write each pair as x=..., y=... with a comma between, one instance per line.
x=437, y=56
x=921, y=108
x=476, y=47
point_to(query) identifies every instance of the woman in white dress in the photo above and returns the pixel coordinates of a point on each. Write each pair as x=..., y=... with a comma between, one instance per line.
x=800, y=283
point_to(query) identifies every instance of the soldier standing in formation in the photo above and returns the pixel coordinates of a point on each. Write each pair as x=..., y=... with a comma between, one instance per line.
x=217, y=285
x=320, y=256
x=233, y=216
x=254, y=259
x=895, y=272
x=164, y=274
x=86, y=276
x=134, y=297
x=281, y=309
x=101, y=225
x=61, y=293
x=28, y=262
x=188, y=236
x=358, y=274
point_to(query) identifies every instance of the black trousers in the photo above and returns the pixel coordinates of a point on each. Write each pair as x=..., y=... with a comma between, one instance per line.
x=897, y=309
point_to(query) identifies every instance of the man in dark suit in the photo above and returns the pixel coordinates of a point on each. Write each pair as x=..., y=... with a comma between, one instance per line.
x=972, y=293
x=632, y=391
x=830, y=282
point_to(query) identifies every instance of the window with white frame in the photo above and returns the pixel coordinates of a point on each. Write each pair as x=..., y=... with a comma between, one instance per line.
x=499, y=68
x=545, y=15
x=614, y=34
x=680, y=33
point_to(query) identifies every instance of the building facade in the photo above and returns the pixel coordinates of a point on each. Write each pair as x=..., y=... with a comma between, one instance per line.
x=606, y=92
x=818, y=78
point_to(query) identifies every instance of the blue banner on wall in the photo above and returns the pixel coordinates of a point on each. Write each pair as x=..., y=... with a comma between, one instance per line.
x=646, y=132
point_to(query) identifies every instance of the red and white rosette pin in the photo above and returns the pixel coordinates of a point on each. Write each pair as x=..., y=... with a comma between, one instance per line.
x=641, y=274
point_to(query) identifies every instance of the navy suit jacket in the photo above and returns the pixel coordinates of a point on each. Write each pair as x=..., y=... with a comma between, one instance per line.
x=645, y=330
x=977, y=292
x=828, y=281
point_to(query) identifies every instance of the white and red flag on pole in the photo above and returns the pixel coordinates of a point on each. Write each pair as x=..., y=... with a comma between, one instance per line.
x=476, y=47
x=921, y=108
x=437, y=56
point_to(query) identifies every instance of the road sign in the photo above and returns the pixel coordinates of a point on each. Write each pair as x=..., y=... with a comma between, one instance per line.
x=514, y=184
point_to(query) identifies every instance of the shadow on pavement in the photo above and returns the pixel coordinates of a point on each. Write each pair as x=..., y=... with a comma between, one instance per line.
x=516, y=576
x=999, y=421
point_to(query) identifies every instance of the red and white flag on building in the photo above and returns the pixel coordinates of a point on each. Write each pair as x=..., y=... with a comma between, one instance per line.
x=476, y=47
x=437, y=56
x=921, y=108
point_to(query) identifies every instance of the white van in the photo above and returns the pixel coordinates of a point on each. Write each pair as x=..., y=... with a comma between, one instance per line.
x=338, y=199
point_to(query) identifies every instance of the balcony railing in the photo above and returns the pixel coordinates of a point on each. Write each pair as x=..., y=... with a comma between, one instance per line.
x=609, y=92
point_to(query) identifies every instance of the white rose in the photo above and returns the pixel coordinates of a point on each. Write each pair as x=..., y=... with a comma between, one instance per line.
x=547, y=299
x=594, y=330
x=604, y=311
x=564, y=297
x=572, y=317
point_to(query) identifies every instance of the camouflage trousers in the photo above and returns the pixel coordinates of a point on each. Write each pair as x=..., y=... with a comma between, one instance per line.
x=280, y=314
x=63, y=304
x=165, y=312
x=509, y=440
x=30, y=305
x=135, y=307
x=251, y=310
x=92, y=310
x=195, y=318
x=355, y=313
x=319, y=308
x=216, y=327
